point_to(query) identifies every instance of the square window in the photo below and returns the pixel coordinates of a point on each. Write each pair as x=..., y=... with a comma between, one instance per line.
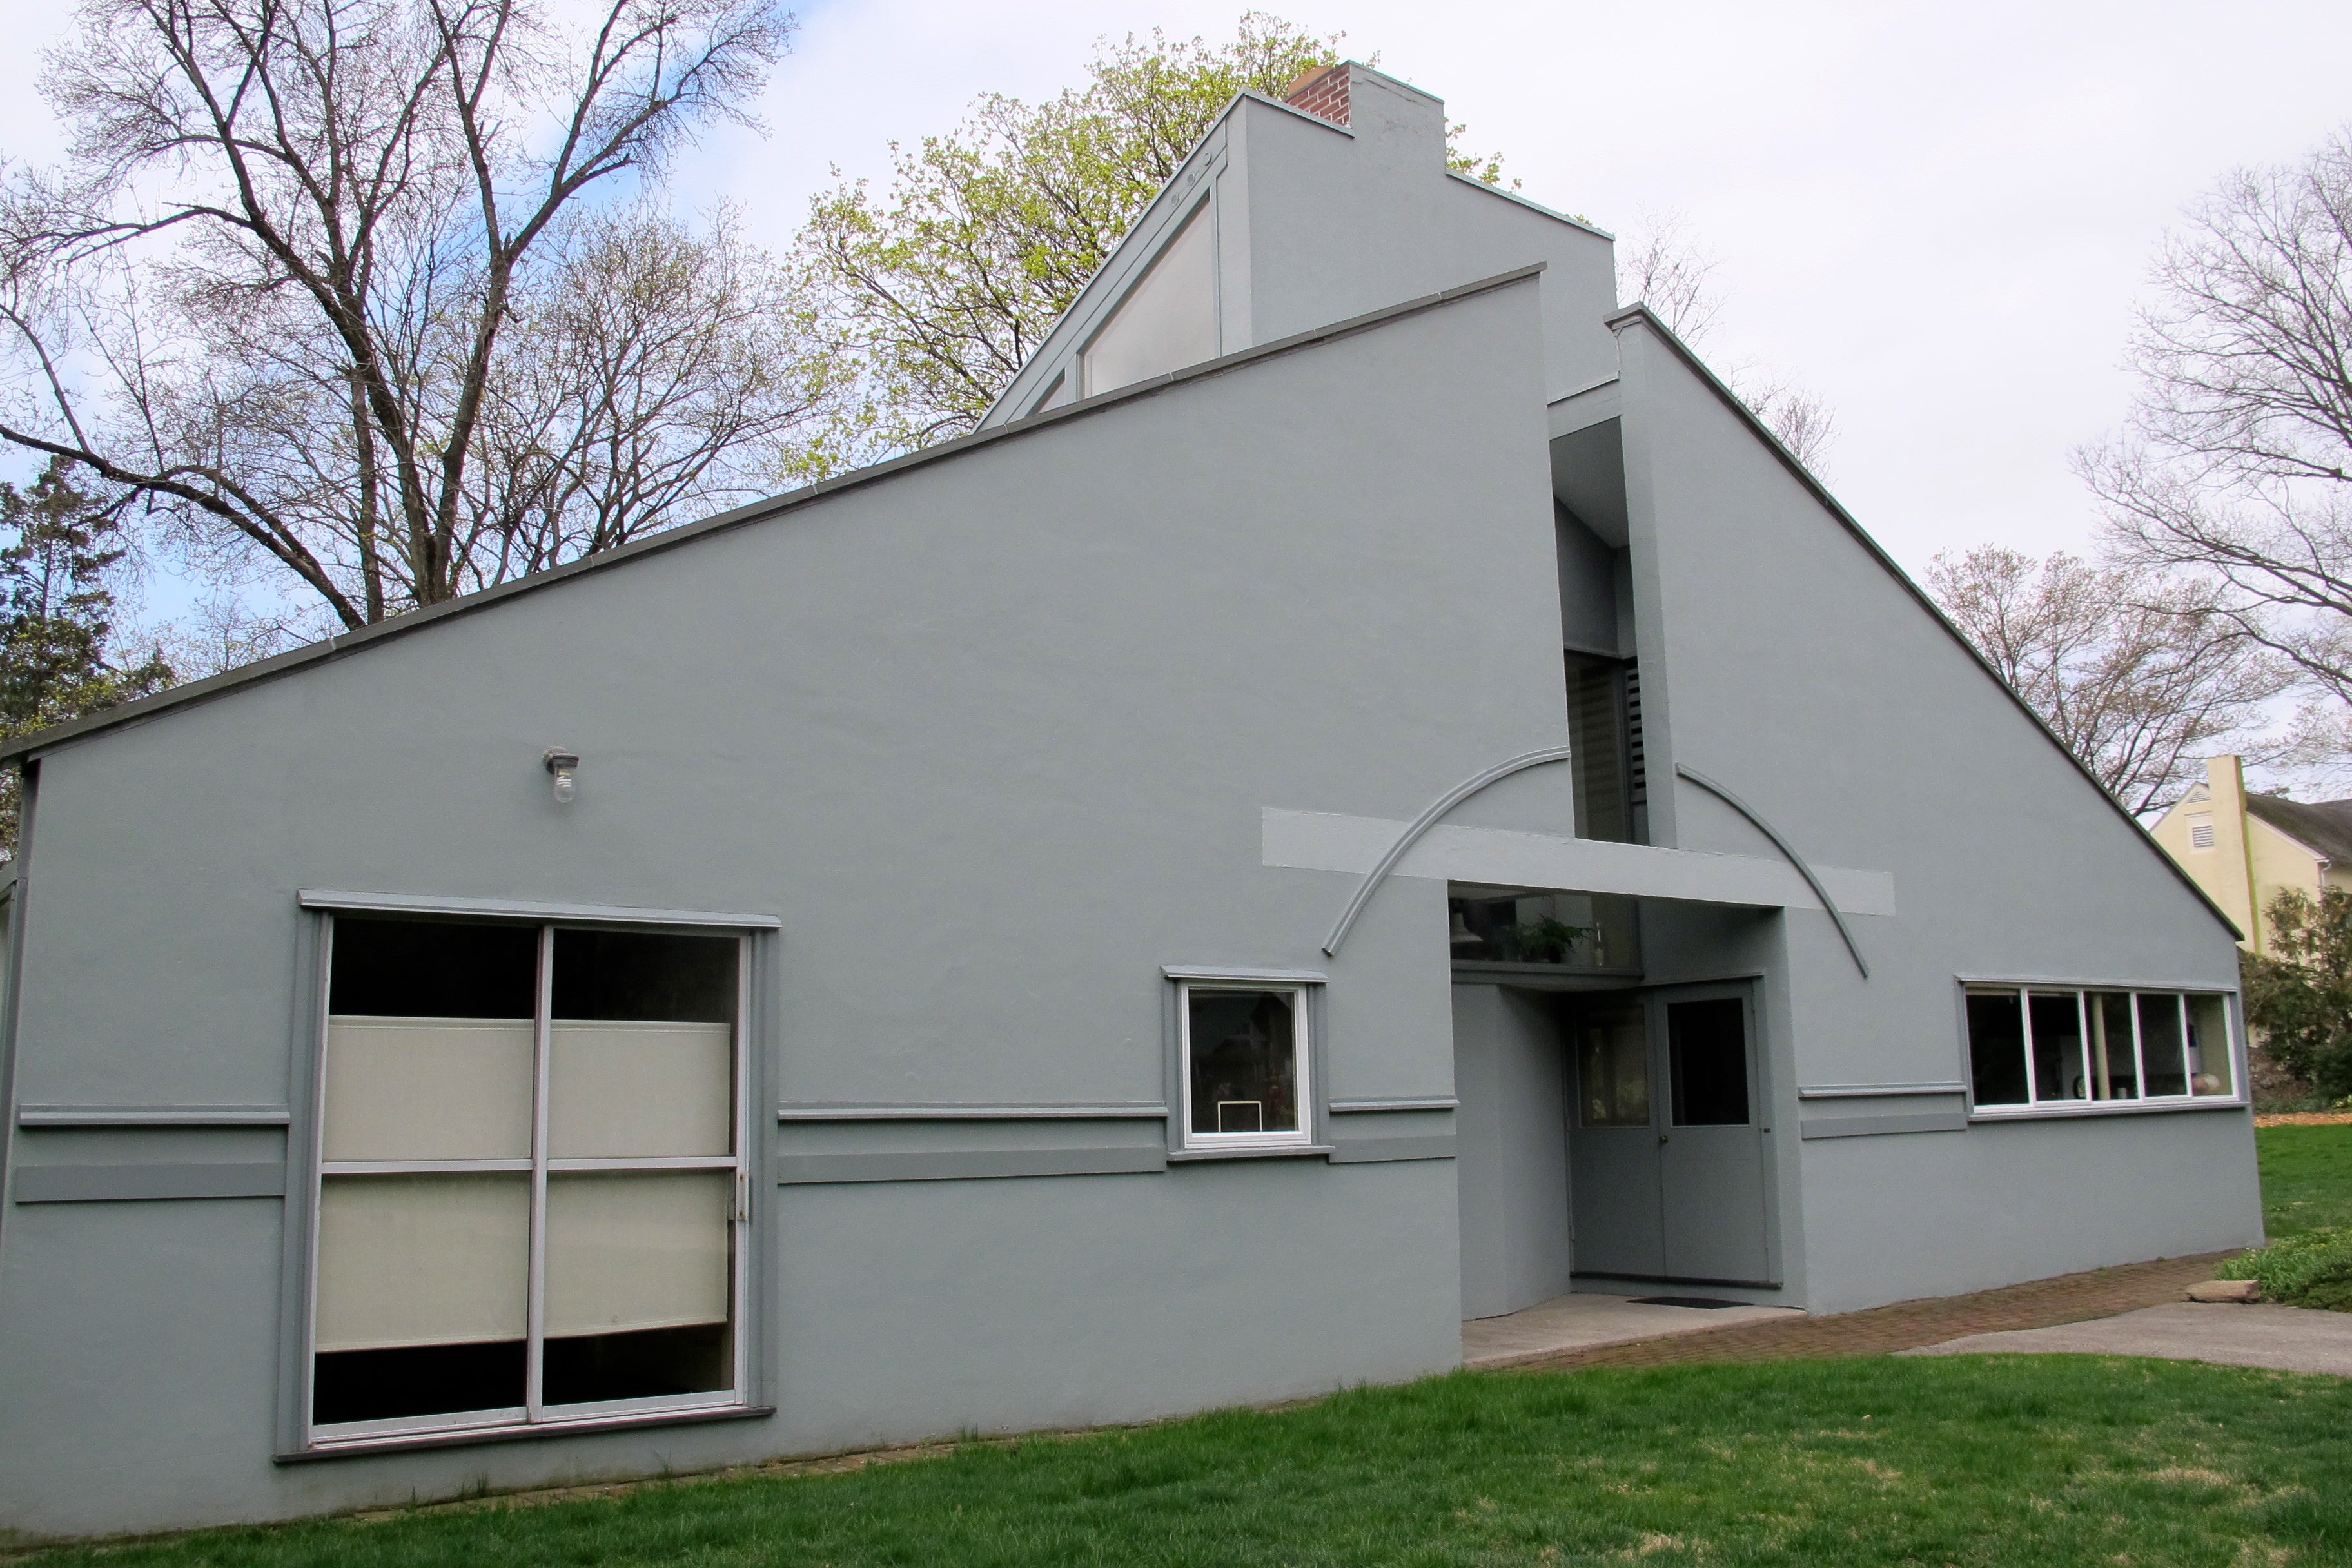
x=530, y=1160
x=1244, y=1065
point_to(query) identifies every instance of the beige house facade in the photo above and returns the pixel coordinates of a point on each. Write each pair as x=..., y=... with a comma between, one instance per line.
x=2245, y=848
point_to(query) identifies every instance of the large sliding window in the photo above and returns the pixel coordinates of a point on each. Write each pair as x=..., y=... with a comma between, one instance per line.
x=2034, y=1047
x=530, y=1202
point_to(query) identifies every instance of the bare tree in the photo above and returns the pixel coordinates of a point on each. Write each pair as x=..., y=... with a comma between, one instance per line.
x=2139, y=676
x=1661, y=265
x=292, y=290
x=2238, y=461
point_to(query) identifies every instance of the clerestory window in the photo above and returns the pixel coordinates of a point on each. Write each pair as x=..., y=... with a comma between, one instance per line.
x=1167, y=321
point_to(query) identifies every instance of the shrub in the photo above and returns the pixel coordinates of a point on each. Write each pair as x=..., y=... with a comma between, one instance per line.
x=2313, y=1269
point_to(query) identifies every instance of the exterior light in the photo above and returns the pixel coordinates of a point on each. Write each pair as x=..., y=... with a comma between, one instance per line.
x=562, y=764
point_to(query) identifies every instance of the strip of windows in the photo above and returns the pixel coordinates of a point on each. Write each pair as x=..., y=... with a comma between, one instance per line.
x=2039, y=1048
x=532, y=1205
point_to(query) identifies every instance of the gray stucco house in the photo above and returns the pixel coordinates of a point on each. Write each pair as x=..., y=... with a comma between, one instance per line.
x=1371, y=793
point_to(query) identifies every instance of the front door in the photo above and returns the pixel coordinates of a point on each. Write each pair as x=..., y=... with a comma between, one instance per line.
x=1666, y=1156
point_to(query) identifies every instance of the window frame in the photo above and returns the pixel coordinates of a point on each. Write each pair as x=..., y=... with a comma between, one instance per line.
x=2033, y=1107
x=1202, y=207
x=535, y=1418
x=1306, y=990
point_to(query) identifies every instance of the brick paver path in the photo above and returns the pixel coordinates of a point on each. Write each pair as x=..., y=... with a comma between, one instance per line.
x=1906, y=1325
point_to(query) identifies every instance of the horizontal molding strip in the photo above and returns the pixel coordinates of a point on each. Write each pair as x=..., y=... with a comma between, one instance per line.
x=1385, y=1151
x=131, y=1183
x=1882, y=1126
x=948, y=1111
x=1410, y=1102
x=153, y=1116
x=622, y=914
x=994, y=1164
x=1219, y=971
x=1875, y=1090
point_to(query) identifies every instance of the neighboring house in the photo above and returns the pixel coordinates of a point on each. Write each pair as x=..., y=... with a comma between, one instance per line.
x=2245, y=849
x=1372, y=792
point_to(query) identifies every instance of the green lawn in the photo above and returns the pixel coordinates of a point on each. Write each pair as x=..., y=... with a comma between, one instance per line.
x=2306, y=1178
x=1996, y=1461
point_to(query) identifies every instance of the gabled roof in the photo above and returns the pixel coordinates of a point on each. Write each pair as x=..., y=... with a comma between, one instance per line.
x=2322, y=826
x=1643, y=315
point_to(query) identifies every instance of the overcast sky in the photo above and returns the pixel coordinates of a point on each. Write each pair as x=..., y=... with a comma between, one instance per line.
x=1937, y=217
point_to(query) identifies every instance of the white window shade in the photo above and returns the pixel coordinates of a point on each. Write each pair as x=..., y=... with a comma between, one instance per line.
x=638, y=1089
x=429, y=1088
x=422, y=1260
x=638, y=1251
x=1168, y=322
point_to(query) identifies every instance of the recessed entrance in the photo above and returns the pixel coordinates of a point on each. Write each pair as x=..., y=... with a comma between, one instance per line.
x=1665, y=1151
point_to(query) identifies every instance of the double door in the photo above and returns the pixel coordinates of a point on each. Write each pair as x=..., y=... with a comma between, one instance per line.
x=1666, y=1138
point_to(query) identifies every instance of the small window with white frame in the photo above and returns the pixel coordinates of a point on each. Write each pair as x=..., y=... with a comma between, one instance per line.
x=2036, y=1048
x=531, y=1204
x=1244, y=1065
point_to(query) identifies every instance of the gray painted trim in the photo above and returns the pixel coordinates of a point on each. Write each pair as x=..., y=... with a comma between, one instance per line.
x=526, y=908
x=153, y=1116
x=1782, y=844
x=1280, y=1151
x=1876, y=1090
x=12, y=1001
x=1213, y=973
x=1581, y=410
x=1644, y=315
x=1879, y=1126
x=119, y=1182
x=1420, y=1103
x=342, y=644
x=2075, y=1112
x=476, y=1439
x=2194, y=987
x=945, y=1110
x=1422, y=824
x=815, y=1170
x=1386, y=1151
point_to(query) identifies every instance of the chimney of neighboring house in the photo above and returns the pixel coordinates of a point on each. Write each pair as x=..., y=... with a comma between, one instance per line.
x=2225, y=782
x=1322, y=93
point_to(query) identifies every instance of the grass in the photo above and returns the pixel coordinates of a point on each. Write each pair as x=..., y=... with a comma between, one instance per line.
x=2306, y=1178
x=1967, y=1461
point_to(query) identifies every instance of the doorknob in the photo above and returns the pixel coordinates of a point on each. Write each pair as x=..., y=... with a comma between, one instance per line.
x=1662, y=1137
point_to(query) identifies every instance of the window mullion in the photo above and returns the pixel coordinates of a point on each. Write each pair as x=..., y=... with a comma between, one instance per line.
x=2025, y=1033
x=2139, y=1061
x=534, y=1367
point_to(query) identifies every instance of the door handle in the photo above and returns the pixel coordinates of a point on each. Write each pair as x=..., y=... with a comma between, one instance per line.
x=1662, y=1137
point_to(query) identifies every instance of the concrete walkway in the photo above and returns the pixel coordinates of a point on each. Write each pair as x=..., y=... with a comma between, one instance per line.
x=2285, y=1339
x=1909, y=1325
x=1582, y=1322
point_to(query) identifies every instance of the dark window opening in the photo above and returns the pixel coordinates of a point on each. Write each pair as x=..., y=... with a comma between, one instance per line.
x=1997, y=1047
x=1707, y=1048
x=1575, y=931
x=1244, y=1065
x=649, y=1363
x=434, y=969
x=636, y=978
x=417, y=1380
x=1599, y=741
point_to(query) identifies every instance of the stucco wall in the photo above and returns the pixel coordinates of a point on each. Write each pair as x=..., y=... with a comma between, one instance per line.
x=1795, y=668
x=991, y=737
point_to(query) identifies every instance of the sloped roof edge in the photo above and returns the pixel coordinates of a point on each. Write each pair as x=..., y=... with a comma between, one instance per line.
x=31, y=746
x=2322, y=826
x=1644, y=315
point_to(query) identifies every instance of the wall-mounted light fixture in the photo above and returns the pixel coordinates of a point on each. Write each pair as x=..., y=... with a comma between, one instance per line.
x=562, y=764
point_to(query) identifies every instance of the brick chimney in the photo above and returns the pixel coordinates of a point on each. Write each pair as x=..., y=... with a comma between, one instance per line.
x=1322, y=93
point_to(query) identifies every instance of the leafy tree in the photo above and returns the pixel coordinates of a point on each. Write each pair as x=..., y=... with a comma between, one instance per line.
x=2299, y=999
x=336, y=286
x=56, y=618
x=945, y=285
x=2138, y=675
